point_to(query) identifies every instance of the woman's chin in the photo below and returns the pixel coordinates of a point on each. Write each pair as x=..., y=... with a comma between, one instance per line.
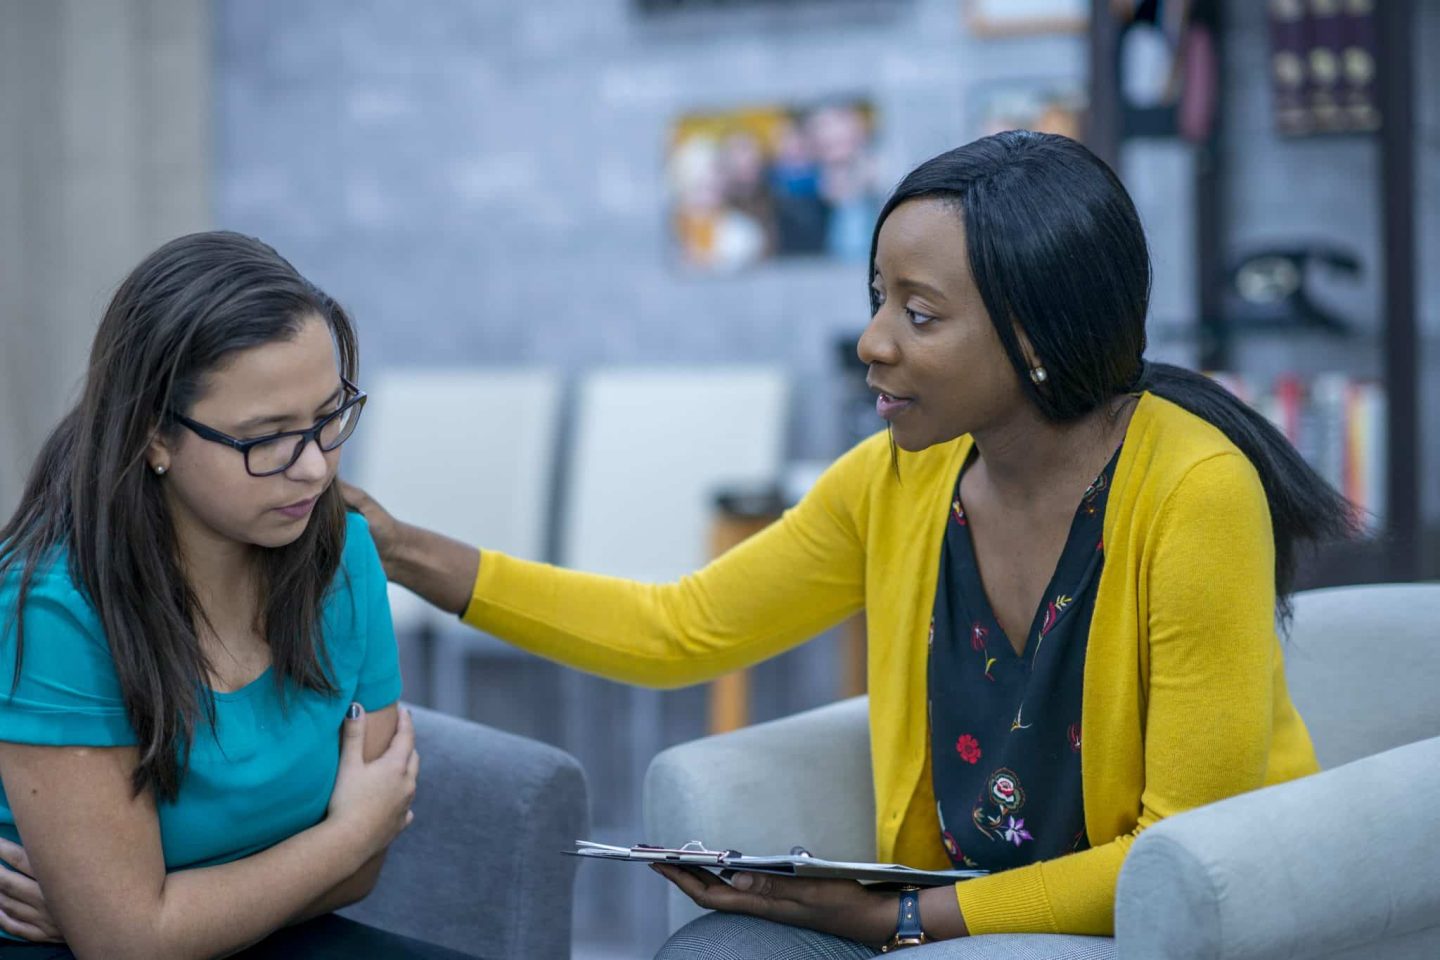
x=272, y=535
x=913, y=440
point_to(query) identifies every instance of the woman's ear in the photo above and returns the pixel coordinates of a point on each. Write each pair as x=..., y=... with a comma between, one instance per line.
x=1027, y=350
x=157, y=453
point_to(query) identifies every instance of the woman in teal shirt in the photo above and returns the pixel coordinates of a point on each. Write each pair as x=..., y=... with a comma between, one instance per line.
x=199, y=737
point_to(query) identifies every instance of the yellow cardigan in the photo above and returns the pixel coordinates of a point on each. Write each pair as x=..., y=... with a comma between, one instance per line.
x=1184, y=696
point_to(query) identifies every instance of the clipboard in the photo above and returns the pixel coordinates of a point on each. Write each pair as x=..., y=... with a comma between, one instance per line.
x=798, y=863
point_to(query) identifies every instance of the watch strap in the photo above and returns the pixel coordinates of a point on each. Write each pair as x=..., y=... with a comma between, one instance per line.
x=909, y=932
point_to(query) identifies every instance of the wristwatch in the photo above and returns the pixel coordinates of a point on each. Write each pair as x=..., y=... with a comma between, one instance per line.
x=908, y=931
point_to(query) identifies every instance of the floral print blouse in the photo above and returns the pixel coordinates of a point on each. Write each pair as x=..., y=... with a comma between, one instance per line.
x=1005, y=728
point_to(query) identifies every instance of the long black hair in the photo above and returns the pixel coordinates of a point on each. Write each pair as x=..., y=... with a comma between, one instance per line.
x=1055, y=246
x=178, y=316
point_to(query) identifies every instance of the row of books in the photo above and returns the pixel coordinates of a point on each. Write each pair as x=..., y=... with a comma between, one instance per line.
x=1336, y=422
x=1323, y=66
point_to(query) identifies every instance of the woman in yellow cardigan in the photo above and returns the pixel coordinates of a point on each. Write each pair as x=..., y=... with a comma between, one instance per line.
x=1071, y=561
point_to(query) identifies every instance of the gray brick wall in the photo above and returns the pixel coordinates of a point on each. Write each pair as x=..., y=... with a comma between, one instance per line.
x=483, y=182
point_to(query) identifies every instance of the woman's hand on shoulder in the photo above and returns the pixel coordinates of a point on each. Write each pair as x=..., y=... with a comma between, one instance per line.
x=430, y=564
x=23, y=912
x=384, y=528
x=844, y=908
x=373, y=798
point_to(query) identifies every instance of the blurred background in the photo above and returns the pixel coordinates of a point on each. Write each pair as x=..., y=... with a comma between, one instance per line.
x=607, y=259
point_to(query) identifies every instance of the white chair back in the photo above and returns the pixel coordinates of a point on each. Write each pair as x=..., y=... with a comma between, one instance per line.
x=651, y=447
x=1362, y=664
x=468, y=452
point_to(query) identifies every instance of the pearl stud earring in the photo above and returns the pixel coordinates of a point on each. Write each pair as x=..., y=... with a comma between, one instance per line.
x=1038, y=375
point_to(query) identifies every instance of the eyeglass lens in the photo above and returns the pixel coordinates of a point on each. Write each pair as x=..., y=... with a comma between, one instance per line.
x=276, y=455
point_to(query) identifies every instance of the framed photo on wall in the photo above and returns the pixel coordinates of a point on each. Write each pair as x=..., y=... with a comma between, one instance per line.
x=1010, y=18
x=773, y=182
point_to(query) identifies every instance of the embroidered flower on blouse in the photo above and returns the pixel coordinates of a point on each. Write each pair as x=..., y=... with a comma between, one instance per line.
x=978, y=635
x=968, y=748
x=957, y=511
x=1015, y=832
x=1005, y=791
x=1073, y=735
x=1053, y=611
x=951, y=847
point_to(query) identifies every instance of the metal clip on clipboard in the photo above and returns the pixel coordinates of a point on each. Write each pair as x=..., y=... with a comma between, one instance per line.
x=799, y=863
x=692, y=852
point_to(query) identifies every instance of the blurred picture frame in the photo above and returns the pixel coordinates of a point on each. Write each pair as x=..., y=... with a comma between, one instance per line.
x=772, y=182
x=1012, y=18
x=1043, y=104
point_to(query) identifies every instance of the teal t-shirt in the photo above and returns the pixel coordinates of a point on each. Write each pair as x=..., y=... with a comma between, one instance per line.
x=265, y=772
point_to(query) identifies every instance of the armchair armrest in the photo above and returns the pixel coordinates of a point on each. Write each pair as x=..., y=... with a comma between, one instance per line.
x=1345, y=863
x=481, y=866
x=803, y=780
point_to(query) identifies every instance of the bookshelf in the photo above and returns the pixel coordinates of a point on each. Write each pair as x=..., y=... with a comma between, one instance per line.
x=1401, y=549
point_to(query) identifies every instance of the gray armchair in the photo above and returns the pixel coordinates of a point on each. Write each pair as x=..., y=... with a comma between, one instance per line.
x=1341, y=865
x=481, y=869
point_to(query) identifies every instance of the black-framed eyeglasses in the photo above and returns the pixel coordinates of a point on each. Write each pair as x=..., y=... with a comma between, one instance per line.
x=277, y=452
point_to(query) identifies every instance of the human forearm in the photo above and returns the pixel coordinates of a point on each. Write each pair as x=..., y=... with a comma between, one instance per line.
x=940, y=914
x=791, y=581
x=876, y=919
x=352, y=889
x=213, y=911
x=434, y=566
x=380, y=728
x=430, y=564
x=842, y=908
x=773, y=591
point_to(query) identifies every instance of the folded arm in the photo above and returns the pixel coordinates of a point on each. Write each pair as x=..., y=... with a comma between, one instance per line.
x=379, y=732
x=96, y=851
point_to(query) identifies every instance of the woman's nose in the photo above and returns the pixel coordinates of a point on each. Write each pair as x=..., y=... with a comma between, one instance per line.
x=310, y=465
x=876, y=345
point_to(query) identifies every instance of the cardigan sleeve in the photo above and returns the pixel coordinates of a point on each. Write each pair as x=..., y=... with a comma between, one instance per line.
x=1212, y=647
x=792, y=580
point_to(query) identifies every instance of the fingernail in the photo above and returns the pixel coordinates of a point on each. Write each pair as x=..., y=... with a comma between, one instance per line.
x=743, y=882
x=354, y=712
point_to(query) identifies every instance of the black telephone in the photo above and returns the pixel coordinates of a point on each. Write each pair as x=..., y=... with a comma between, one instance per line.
x=1267, y=288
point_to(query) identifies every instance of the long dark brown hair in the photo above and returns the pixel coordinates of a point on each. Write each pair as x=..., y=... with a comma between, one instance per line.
x=178, y=316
